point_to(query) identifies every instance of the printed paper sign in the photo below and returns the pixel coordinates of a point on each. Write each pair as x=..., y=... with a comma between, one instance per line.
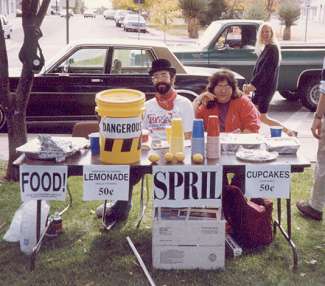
x=43, y=182
x=187, y=186
x=116, y=128
x=267, y=181
x=106, y=182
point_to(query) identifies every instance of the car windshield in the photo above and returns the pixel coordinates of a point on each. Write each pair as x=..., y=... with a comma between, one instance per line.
x=135, y=18
x=208, y=35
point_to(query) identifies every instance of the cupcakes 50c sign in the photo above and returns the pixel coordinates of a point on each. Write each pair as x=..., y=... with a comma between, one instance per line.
x=106, y=182
x=263, y=181
x=43, y=182
x=187, y=186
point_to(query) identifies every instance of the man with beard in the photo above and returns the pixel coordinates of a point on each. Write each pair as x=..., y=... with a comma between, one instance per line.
x=159, y=111
x=166, y=104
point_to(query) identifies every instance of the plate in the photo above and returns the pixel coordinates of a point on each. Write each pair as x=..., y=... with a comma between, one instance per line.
x=256, y=155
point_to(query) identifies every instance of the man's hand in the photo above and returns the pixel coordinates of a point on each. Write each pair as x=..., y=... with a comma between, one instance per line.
x=316, y=127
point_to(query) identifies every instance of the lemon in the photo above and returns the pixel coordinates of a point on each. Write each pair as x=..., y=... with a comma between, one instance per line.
x=169, y=157
x=180, y=156
x=197, y=158
x=154, y=157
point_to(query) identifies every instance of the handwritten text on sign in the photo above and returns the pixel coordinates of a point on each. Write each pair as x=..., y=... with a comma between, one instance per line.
x=265, y=181
x=106, y=182
x=187, y=186
x=43, y=182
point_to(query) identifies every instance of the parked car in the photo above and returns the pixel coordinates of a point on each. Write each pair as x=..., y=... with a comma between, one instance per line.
x=109, y=14
x=64, y=91
x=134, y=22
x=230, y=43
x=63, y=13
x=119, y=16
x=89, y=14
x=7, y=27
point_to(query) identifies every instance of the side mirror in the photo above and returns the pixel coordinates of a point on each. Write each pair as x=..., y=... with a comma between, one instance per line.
x=67, y=64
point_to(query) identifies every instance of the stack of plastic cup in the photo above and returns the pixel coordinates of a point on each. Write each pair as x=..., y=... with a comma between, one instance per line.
x=213, y=143
x=198, y=137
x=177, y=136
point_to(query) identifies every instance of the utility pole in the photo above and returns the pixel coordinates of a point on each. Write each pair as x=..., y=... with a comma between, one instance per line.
x=67, y=19
x=307, y=5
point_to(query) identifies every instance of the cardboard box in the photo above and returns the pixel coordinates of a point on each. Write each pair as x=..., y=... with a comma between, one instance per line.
x=188, y=257
x=188, y=244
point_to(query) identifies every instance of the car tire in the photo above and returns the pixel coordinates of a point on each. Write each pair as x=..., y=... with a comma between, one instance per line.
x=289, y=95
x=309, y=93
x=3, y=120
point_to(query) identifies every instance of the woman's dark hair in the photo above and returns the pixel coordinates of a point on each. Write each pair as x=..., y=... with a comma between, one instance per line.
x=223, y=75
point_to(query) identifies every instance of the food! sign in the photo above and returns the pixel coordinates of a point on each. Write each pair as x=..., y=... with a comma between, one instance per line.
x=187, y=186
x=43, y=182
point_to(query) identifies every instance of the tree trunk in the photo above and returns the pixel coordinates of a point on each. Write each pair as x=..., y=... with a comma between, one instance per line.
x=193, y=28
x=15, y=104
x=287, y=33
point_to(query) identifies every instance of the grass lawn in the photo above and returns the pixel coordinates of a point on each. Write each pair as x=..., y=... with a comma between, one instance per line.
x=85, y=255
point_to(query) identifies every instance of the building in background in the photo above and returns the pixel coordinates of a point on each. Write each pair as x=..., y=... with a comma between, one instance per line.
x=8, y=7
x=316, y=10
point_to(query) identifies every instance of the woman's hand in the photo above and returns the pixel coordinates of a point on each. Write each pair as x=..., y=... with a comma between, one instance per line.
x=202, y=99
x=247, y=88
x=206, y=97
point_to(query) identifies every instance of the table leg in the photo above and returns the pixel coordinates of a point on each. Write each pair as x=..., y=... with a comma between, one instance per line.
x=40, y=236
x=287, y=234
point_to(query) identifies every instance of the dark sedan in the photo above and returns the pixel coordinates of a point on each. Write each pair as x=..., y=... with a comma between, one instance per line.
x=64, y=91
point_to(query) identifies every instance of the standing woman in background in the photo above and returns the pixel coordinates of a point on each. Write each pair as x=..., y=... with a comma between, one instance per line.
x=265, y=75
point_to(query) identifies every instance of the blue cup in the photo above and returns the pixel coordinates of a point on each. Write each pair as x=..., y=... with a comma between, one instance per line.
x=198, y=128
x=276, y=131
x=94, y=143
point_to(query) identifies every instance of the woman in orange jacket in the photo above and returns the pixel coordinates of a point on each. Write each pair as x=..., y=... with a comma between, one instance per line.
x=235, y=110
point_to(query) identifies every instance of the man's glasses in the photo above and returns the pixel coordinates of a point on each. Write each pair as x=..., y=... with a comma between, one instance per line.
x=162, y=75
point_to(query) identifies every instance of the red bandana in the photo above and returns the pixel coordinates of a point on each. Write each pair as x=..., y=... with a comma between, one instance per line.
x=166, y=101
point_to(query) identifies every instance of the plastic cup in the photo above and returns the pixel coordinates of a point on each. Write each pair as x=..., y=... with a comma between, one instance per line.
x=94, y=143
x=276, y=131
x=168, y=133
x=198, y=128
x=177, y=127
x=213, y=128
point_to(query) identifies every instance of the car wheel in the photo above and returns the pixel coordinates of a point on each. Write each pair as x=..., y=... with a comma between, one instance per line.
x=289, y=95
x=3, y=121
x=309, y=93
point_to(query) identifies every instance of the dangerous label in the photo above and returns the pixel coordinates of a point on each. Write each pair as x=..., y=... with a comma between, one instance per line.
x=121, y=127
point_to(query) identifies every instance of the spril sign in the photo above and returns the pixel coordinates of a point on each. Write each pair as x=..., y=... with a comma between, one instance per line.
x=187, y=186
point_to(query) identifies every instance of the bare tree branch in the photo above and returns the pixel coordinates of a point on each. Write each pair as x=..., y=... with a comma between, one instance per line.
x=42, y=12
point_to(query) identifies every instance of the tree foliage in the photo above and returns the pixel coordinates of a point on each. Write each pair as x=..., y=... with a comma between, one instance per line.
x=191, y=10
x=214, y=9
x=289, y=13
x=256, y=10
x=163, y=13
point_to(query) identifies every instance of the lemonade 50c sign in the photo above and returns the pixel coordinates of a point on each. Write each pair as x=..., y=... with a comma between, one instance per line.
x=106, y=182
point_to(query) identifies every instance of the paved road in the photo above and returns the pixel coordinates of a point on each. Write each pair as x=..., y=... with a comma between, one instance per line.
x=292, y=114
